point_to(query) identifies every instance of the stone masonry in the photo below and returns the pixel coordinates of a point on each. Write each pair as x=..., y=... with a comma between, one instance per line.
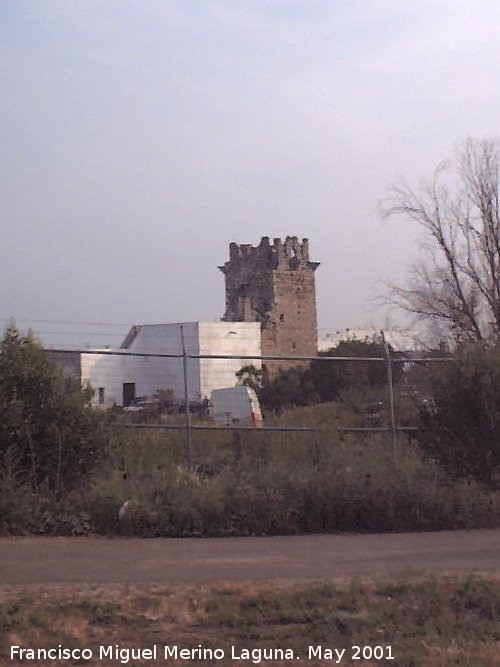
x=274, y=284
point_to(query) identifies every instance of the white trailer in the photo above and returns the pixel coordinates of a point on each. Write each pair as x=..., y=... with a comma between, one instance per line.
x=235, y=404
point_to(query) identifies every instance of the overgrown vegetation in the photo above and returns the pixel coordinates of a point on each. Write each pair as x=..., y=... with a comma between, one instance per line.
x=256, y=485
x=322, y=380
x=433, y=623
x=249, y=483
x=50, y=438
x=333, y=378
x=460, y=424
x=48, y=433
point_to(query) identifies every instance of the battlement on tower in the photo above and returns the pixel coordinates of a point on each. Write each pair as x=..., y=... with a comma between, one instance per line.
x=289, y=254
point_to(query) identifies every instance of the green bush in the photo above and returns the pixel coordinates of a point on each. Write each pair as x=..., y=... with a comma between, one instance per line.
x=24, y=511
x=331, y=378
x=290, y=388
x=460, y=425
x=322, y=380
x=46, y=421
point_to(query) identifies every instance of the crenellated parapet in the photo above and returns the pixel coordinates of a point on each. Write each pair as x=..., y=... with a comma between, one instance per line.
x=290, y=254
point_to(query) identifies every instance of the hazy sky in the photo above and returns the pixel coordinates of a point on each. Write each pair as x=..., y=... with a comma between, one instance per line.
x=140, y=137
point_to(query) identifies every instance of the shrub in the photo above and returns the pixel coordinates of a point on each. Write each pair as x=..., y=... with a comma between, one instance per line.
x=45, y=418
x=331, y=378
x=461, y=422
x=280, y=484
x=290, y=388
x=322, y=380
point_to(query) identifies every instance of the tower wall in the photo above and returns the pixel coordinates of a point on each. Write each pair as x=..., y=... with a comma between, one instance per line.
x=274, y=284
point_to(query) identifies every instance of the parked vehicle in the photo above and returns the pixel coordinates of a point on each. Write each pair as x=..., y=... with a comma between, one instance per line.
x=139, y=404
x=235, y=404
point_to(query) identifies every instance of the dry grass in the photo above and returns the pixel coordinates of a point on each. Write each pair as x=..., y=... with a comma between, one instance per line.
x=432, y=623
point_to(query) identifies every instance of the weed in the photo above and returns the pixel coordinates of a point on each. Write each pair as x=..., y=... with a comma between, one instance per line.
x=273, y=483
x=432, y=623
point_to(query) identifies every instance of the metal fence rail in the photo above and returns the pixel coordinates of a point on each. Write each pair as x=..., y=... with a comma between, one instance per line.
x=253, y=429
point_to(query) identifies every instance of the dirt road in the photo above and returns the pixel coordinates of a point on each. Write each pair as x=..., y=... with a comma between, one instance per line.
x=122, y=560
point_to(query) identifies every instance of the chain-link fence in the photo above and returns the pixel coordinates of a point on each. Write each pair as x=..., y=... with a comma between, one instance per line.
x=173, y=390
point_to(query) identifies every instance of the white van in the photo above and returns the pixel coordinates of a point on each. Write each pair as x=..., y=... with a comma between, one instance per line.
x=235, y=404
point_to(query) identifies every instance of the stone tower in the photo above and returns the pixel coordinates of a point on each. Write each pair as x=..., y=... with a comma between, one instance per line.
x=274, y=284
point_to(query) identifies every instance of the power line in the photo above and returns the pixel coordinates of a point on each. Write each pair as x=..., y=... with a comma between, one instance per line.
x=69, y=322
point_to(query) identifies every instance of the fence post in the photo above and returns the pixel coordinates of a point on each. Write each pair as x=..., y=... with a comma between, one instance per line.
x=392, y=415
x=186, y=402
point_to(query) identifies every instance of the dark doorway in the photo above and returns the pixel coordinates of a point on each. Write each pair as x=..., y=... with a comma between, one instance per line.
x=128, y=394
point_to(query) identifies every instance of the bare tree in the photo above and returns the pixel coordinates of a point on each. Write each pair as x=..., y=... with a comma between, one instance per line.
x=457, y=282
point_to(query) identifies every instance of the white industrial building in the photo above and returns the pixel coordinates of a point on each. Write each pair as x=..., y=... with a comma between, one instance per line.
x=142, y=364
x=139, y=369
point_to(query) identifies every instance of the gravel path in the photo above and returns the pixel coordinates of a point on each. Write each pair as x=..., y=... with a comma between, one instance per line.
x=124, y=560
